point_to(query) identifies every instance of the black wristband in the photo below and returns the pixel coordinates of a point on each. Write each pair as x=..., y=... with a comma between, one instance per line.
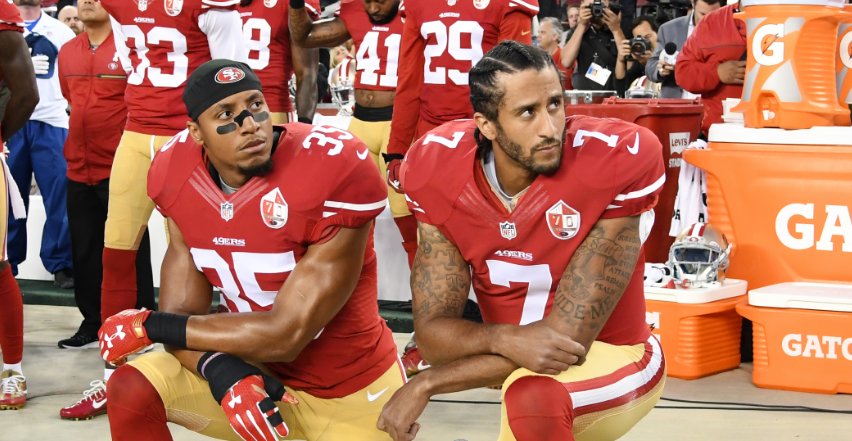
x=388, y=157
x=305, y=120
x=223, y=371
x=297, y=4
x=168, y=329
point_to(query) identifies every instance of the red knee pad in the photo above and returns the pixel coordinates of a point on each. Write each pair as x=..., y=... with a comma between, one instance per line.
x=539, y=409
x=136, y=411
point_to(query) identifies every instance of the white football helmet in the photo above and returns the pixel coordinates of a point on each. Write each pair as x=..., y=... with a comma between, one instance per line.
x=699, y=253
x=343, y=87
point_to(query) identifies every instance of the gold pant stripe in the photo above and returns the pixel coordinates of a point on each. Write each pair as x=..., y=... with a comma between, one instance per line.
x=376, y=136
x=189, y=403
x=608, y=424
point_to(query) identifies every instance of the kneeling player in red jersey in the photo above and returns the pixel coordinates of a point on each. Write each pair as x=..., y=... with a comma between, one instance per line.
x=545, y=216
x=279, y=218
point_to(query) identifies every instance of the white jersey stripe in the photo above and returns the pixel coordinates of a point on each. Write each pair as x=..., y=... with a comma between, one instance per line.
x=625, y=385
x=643, y=192
x=357, y=207
x=531, y=7
x=222, y=3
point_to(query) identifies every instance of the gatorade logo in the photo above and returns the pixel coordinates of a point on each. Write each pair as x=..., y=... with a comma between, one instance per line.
x=846, y=50
x=837, y=223
x=792, y=346
x=767, y=50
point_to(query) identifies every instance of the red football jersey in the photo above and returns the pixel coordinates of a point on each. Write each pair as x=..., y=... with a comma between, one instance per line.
x=266, y=28
x=609, y=169
x=10, y=20
x=248, y=243
x=165, y=41
x=442, y=40
x=378, y=46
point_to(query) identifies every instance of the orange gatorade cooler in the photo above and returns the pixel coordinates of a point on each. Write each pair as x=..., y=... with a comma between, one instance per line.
x=699, y=329
x=790, y=81
x=842, y=64
x=782, y=197
x=802, y=337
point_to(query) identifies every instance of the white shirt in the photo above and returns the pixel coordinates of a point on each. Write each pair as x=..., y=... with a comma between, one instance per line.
x=51, y=105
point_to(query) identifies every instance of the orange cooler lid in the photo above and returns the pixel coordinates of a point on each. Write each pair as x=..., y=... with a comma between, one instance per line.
x=738, y=134
x=729, y=288
x=803, y=295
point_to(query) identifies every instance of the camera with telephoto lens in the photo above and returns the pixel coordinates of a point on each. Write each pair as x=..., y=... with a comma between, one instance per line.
x=639, y=45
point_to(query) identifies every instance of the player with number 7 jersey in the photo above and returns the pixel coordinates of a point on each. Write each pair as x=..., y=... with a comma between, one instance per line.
x=159, y=43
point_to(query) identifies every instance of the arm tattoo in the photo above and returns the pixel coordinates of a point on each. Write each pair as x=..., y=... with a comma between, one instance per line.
x=596, y=277
x=440, y=278
x=323, y=33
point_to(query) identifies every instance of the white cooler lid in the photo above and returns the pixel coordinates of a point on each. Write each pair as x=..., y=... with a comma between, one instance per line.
x=730, y=288
x=803, y=295
x=833, y=3
x=737, y=133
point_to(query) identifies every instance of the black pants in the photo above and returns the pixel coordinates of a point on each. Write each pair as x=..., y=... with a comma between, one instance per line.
x=87, y=214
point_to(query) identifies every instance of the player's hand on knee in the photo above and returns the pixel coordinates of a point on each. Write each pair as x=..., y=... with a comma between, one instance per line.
x=252, y=412
x=123, y=335
x=400, y=413
x=539, y=348
x=393, y=175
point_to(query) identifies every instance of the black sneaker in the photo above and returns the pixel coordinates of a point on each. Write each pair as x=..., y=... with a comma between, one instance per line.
x=79, y=341
x=64, y=279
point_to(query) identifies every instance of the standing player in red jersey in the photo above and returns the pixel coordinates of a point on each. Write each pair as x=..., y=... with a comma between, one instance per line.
x=16, y=70
x=274, y=58
x=546, y=216
x=159, y=43
x=297, y=268
x=376, y=28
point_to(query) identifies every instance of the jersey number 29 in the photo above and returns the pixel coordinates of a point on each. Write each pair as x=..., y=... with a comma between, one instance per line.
x=449, y=40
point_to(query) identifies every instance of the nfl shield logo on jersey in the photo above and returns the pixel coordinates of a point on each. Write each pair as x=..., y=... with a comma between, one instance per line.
x=173, y=7
x=563, y=221
x=481, y=4
x=143, y=5
x=507, y=230
x=273, y=209
x=227, y=211
x=270, y=3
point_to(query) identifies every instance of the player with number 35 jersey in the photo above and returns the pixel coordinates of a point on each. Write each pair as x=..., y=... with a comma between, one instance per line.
x=376, y=27
x=159, y=43
x=274, y=58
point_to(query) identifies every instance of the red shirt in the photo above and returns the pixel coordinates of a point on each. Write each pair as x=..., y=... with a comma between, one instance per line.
x=557, y=58
x=10, y=20
x=377, y=60
x=93, y=82
x=441, y=41
x=718, y=38
x=166, y=44
x=610, y=169
x=249, y=242
x=266, y=29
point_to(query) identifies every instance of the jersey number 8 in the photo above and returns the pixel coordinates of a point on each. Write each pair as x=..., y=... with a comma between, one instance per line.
x=450, y=42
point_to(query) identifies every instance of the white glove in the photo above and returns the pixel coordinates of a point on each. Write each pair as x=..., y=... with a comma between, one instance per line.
x=41, y=63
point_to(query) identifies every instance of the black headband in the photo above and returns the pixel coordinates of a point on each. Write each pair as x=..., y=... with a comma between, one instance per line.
x=214, y=81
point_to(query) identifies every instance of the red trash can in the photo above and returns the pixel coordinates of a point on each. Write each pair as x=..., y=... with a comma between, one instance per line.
x=676, y=123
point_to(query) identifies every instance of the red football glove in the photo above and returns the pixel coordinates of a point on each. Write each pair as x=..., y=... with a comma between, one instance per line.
x=252, y=413
x=123, y=335
x=393, y=175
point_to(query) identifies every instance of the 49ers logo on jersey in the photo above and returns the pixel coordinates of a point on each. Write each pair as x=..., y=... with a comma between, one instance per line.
x=563, y=221
x=229, y=75
x=173, y=7
x=273, y=209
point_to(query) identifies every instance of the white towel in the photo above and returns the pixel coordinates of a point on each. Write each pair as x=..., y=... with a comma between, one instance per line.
x=17, y=202
x=691, y=201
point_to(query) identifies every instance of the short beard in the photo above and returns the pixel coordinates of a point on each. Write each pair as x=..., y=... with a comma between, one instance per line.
x=516, y=152
x=389, y=18
x=262, y=169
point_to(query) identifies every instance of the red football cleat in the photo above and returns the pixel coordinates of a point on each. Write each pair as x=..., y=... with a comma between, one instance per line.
x=13, y=390
x=91, y=405
x=413, y=362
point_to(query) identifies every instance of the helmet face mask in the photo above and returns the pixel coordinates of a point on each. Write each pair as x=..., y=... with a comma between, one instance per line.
x=698, y=255
x=342, y=87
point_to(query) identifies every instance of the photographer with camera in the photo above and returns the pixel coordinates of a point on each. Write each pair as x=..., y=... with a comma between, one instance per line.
x=592, y=44
x=660, y=68
x=634, y=54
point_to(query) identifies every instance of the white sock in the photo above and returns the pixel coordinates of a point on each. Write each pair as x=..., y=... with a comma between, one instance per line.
x=108, y=373
x=15, y=367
